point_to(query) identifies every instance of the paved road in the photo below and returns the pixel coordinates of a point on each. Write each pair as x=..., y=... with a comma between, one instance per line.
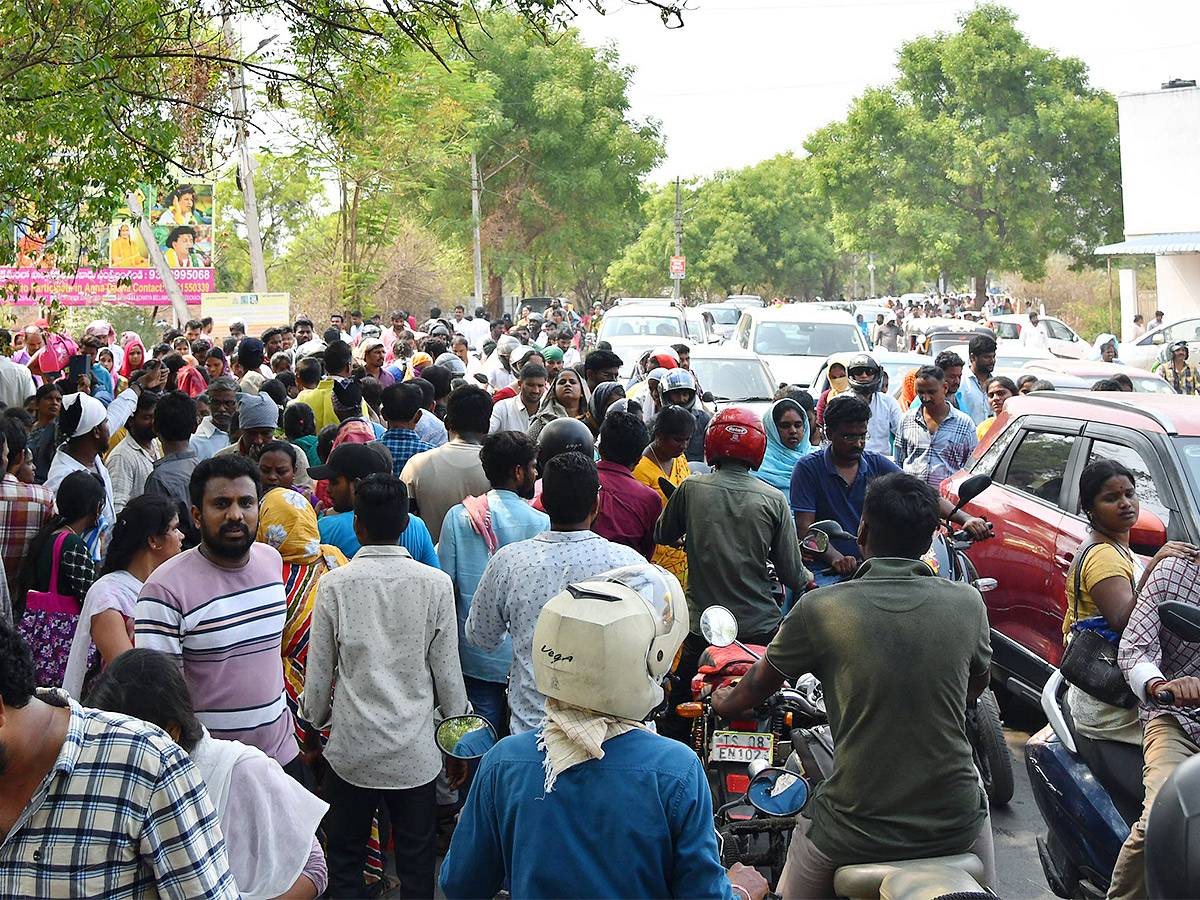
x=1016, y=828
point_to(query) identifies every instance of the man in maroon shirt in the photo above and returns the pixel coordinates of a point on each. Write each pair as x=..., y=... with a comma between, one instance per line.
x=628, y=508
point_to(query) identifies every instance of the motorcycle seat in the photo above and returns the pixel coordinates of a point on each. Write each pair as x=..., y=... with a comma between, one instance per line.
x=865, y=880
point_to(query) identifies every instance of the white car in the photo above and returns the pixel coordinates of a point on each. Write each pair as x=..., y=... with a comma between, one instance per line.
x=734, y=377
x=1062, y=339
x=1153, y=345
x=795, y=340
x=633, y=328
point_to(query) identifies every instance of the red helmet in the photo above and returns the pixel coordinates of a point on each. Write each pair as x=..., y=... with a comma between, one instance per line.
x=735, y=433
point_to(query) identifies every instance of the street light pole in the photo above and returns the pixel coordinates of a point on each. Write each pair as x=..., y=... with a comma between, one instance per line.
x=475, y=220
x=678, y=236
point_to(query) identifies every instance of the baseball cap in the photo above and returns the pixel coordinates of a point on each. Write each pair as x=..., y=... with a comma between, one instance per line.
x=350, y=461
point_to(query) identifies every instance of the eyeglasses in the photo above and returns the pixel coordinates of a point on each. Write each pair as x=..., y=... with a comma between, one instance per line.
x=853, y=438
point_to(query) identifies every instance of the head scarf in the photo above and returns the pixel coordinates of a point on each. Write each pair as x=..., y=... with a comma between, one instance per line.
x=288, y=523
x=257, y=411
x=91, y=414
x=133, y=341
x=839, y=385
x=779, y=461
x=367, y=345
x=420, y=360
x=550, y=409
x=552, y=354
x=1101, y=341
x=603, y=397
x=219, y=353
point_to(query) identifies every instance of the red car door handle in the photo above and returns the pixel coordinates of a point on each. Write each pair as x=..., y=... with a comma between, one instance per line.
x=1064, y=561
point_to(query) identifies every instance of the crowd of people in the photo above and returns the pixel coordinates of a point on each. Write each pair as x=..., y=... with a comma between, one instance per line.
x=245, y=578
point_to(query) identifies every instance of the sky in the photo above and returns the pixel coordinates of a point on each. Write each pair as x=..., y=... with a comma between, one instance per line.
x=745, y=80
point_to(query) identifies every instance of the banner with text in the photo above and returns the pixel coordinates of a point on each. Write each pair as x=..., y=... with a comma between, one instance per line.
x=258, y=311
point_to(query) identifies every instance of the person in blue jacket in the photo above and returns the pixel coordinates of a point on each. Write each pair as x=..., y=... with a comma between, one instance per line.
x=592, y=803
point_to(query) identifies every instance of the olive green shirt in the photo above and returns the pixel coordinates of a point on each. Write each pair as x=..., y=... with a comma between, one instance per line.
x=894, y=648
x=734, y=524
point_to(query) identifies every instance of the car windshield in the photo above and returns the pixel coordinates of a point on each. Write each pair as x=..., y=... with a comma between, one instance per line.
x=1006, y=330
x=734, y=379
x=725, y=316
x=805, y=338
x=630, y=326
x=1189, y=451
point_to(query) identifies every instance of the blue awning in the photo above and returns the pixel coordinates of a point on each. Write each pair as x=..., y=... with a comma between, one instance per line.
x=1155, y=244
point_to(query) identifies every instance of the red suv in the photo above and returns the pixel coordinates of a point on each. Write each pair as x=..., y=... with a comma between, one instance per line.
x=1035, y=453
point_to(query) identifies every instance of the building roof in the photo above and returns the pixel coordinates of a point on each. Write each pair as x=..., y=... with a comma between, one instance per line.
x=1156, y=244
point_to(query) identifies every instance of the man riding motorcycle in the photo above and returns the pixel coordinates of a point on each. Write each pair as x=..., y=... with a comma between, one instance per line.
x=898, y=652
x=727, y=562
x=593, y=804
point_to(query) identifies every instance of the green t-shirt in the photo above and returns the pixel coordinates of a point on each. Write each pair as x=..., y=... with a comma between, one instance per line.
x=894, y=648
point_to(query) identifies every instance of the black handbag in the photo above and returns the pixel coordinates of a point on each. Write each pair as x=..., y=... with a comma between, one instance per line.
x=1090, y=660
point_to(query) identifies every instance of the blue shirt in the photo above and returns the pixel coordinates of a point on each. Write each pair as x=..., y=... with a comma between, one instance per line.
x=817, y=488
x=637, y=823
x=404, y=444
x=431, y=430
x=972, y=399
x=338, y=529
x=464, y=556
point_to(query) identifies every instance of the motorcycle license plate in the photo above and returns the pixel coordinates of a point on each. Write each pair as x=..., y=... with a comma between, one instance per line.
x=741, y=746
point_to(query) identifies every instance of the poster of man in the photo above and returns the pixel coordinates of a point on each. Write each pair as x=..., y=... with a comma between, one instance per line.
x=183, y=218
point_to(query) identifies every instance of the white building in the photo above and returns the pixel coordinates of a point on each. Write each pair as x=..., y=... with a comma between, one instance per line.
x=1160, y=177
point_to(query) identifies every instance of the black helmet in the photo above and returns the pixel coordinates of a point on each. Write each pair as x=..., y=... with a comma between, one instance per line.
x=562, y=436
x=864, y=362
x=1180, y=345
x=1173, y=835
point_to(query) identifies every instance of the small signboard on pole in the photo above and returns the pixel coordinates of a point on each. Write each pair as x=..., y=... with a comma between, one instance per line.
x=678, y=266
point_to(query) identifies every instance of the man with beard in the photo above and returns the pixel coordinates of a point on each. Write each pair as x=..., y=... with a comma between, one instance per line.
x=258, y=419
x=471, y=532
x=77, y=784
x=131, y=461
x=212, y=434
x=219, y=611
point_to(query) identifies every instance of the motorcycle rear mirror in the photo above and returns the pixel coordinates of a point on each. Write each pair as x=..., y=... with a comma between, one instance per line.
x=970, y=489
x=1181, y=619
x=832, y=530
x=777, y=792
x=465, y=737
x=718, y=626
x=815, y=542
x=666, y=487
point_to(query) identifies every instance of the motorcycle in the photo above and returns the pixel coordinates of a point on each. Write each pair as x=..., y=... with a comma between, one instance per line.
x=1087, y=807
x=755, y=828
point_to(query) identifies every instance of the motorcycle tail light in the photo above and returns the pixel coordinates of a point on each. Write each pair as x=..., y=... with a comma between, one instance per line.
x=744, y=726
x=689, y=710
x=736, y=783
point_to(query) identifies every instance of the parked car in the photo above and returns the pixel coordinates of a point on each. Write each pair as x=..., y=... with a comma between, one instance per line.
x=1091, y=372
x=1035, y=453
x=1146, y=350
x=1062, y=339
x=744, y=300
x=1008, y=356
x=725, y=316
x=633, y=328
x=734, y=377
x=700, y=327
x=794, y=340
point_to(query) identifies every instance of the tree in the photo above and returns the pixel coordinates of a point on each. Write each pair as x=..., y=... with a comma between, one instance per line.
x=561, y=159
x=760, y=228
x=987, y=154
x=100, y=95
x=287, y=192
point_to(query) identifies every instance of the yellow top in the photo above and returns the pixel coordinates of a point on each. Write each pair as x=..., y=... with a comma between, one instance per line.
x=673, y=559
x=1107, y=561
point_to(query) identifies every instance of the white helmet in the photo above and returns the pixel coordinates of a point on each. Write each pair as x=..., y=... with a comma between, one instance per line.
x=607, y=643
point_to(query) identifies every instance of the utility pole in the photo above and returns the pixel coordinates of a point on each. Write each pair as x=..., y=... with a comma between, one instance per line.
x=678, y=236
x=854, y=266
x=159, y=259
x=246, y=165
x=871, y=269
x=475, y=221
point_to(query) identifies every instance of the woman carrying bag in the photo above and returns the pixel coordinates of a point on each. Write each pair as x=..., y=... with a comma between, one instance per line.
x=55, y=577
x=1102, y=585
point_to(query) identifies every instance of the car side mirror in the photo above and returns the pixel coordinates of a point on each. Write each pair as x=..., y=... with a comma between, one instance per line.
x=465, y=737
x=1148, y=533
x=1159, y=339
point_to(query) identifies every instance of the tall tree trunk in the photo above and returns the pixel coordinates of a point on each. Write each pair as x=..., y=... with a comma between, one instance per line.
x=495, y=293
x=980, y=290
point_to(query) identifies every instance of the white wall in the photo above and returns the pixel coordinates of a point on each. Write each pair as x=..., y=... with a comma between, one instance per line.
x=1178, y=285
x=1160, y=162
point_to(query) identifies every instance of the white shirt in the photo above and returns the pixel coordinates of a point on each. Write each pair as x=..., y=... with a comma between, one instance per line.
x=885, y=422
x=208, y=439
x=1035, y=336
x=389, y=679
x=62, y=466
x=498, y=376
x=477, y=332
x=16, y=382
x=509, y=415
x=129, y=465
x=518, y=581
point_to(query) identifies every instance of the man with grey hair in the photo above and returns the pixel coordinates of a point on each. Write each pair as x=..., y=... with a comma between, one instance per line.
x=212, y=434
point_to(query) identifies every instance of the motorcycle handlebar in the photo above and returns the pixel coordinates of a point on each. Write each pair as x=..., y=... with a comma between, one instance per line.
x=1164, y=697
